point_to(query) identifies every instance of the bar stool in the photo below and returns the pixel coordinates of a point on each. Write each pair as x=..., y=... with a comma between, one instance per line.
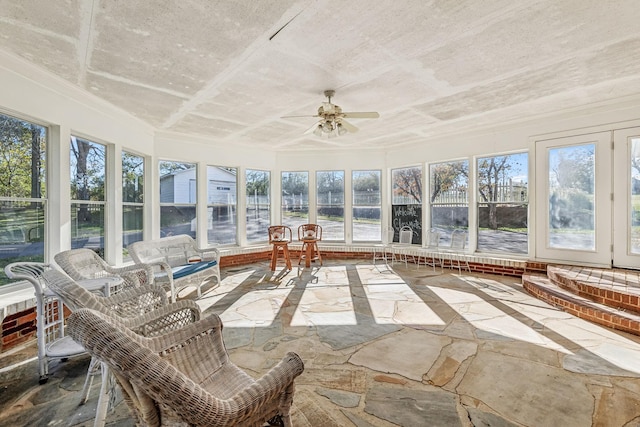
x=279, y=237
x=309, y=235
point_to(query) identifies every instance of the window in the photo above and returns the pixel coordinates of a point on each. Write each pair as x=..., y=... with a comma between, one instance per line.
x=449, y=201
x=88, y=174
x=177, y=198
x=22, y=191
x=503, y=204
x=295, y=199
x=406, y=209
x=572, y=185
x=365, y=187
x=634, y=211
x=221, y=205
x=330, y=204
x=132, y=199
x=258, y=187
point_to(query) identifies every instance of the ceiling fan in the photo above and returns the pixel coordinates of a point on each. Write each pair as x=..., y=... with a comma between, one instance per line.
x=332, y=121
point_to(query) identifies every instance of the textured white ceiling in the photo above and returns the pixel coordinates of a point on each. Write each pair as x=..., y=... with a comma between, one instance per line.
x=229, y=70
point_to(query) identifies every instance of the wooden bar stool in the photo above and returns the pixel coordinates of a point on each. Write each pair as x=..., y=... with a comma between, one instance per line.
x=279, y=237
x=309, y=235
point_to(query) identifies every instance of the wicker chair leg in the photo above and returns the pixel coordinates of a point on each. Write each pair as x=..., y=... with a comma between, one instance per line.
x=94, y=366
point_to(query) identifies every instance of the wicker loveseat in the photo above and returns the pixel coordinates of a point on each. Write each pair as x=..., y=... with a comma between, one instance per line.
x=185, y=377
x=178, y=262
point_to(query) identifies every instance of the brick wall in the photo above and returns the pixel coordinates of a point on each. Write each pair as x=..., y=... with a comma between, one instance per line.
x=20, y=327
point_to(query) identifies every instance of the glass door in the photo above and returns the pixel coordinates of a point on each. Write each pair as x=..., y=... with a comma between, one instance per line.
x=573, y=195
x=626, y=200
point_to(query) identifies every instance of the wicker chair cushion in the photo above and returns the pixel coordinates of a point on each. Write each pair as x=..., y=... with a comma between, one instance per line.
x=186, y=269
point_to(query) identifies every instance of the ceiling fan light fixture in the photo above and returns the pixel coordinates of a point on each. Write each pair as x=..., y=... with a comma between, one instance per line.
x=332, y=119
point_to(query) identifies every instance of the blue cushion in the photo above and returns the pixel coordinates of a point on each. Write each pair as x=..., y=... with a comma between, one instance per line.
x=185, y=270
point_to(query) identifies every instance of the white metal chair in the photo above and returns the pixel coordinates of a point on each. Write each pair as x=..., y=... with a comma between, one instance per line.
x=455, y=253
x=383, y=251
x=429, y=254
x=400, y=250
x=52, y=341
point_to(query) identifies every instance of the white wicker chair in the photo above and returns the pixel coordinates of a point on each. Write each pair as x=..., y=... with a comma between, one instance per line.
x=83, y=263
x=185, y=377
x=143, y=310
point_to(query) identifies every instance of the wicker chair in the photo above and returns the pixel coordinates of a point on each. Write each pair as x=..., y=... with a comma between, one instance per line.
x=136, y=308
x=83, y=263
x=185, y=377
x=143, y=310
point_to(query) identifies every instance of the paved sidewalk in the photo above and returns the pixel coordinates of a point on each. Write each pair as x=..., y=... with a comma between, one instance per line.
x=391, y=347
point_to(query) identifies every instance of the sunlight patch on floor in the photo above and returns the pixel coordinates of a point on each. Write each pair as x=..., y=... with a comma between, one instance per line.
x=227, y=286
x=487, y=317
x=326, y=300
x=257, y=308
x=392, y=300
x=579, y=333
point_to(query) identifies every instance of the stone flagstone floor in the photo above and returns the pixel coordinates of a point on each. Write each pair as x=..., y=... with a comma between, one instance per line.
x=390, y=347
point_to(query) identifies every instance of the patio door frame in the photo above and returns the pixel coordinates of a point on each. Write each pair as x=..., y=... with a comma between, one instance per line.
x=601, y=256
x=622, y=255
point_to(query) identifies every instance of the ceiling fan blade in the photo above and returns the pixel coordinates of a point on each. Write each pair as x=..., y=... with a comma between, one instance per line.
x=296, y=117
x=361, y=115
x=348, y=126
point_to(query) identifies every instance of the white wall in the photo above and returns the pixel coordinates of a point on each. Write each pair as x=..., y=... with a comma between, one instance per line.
x=33, y=94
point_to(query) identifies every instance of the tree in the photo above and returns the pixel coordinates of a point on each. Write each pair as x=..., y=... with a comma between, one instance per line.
x=22, y=145
x=257, y=183
x=167, y=168
x=573, y=168
x=407, y=182
x=295, y=183
x=87, y=174
x=366, y=181
x=490, y=170
x=448, y=177
x=132, y=178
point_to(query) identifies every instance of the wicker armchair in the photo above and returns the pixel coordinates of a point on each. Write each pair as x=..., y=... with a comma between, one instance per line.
x=185, y=377
x=136, y=308
x=143, y=310
x=81, y=264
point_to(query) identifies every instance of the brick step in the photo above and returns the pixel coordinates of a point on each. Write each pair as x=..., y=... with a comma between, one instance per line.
x=614, y=288
x=544, y=289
